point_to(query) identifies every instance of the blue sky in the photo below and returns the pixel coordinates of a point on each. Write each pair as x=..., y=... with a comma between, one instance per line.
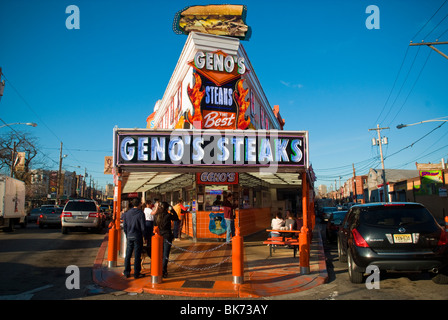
x=316, y=59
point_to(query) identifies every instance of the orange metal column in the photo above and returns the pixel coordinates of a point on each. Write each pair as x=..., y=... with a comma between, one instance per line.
x=118, y=216
x=112, y=251
x=237, y=257
x=313, y=213
x=156, y=257
x=304, y=245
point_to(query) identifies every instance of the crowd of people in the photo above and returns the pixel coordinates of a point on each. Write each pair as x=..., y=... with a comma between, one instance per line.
x=138, y=226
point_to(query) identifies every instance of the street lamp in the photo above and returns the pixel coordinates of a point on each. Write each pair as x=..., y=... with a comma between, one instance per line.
x=31, y=124
x=413, y=124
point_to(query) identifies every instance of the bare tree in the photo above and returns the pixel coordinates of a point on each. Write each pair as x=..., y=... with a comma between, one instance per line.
x=23, y=142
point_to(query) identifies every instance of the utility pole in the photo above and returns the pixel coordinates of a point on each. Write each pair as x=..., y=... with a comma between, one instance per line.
x=59, y=176
x=2, y=84
x=354, y=184
x=13, y=160
x=380, y=142
x=58, y=193
x=84, y=183
x=431, y=45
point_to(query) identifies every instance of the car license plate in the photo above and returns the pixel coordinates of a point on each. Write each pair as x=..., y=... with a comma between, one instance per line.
x=402, y=238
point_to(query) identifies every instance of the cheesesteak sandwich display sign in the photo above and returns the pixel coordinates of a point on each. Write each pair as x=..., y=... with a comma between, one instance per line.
x=220, y=20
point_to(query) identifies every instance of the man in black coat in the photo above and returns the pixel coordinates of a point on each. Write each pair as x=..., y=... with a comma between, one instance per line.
x=134, y=228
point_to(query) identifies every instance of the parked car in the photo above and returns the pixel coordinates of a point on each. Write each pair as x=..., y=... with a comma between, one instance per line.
x=82, y=214
x=326, y=211
x=333, y=224
x=50, y=217
x=393, y=236
x=33, y=216
x=107, y=210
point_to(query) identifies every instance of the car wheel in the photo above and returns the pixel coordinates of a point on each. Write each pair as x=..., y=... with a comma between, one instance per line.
x=342, y=256
x=441, y=277
x=64, y=230
x=355, y=276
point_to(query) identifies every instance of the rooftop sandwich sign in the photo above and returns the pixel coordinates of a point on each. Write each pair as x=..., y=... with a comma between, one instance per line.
x=211, y=147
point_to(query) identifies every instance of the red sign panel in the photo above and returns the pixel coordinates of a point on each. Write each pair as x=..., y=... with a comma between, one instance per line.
x=217, y=178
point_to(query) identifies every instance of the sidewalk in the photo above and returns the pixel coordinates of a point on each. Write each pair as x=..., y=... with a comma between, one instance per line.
x=205, y=270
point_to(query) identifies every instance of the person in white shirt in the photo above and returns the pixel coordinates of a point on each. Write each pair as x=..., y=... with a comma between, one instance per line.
x=149, y=212
x=277, y=223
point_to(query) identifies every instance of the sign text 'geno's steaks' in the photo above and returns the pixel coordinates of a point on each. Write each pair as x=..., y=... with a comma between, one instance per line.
x=211, y=147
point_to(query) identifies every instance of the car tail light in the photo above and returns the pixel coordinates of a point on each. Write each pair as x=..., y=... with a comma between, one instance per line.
x=443, y=239
x=359, y=240
x=66, y=214
x=93, y=215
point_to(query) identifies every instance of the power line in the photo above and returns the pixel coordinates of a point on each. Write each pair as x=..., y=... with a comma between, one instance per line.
x=29, y=107
x=402, y=63
x=442, y=34
x=402, y=86
x=418, y=140
x=41, y=121
x=436, y=26
x=346, y=170
x=412, y=88
x=423, y=156
x=367, y=165
x=81, y=150
x=429, y=19
x=393, y=86
x=345, y=166
x=18, y=134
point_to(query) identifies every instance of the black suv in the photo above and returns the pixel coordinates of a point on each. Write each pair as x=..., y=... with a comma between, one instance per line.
x=393, y=236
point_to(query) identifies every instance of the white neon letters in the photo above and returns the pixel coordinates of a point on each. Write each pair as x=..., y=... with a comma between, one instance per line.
x=201, y=148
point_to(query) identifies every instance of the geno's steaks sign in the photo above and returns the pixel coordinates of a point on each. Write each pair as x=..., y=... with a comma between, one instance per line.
x=210, y=147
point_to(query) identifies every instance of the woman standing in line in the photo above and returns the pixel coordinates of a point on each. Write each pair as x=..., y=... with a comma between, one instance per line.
x=163, y=221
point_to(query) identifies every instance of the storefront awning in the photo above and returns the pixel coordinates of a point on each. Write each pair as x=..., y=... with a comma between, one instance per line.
x=146, y=181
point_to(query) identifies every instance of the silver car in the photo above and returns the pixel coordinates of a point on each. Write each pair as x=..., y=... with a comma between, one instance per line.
x=81, y=214
x=50, y=217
